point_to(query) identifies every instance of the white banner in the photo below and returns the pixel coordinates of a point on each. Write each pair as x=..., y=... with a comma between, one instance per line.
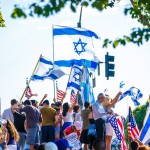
x=73, y=141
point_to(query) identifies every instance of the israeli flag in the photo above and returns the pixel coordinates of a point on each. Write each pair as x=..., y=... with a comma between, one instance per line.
x=86, y=88
x=145, y=132
x=46, y=70
x=74, y=46
x=75, y=78
x=134, y=93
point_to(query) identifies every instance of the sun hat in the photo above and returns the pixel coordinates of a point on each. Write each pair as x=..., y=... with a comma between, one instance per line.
x=78, y=125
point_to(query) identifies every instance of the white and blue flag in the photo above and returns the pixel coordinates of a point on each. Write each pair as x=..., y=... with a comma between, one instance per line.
x=121, y=85
x=74, y=46
x=134, y=93
x=86, y=88
x=145, y=131
x=46, y=70
x=75, y=78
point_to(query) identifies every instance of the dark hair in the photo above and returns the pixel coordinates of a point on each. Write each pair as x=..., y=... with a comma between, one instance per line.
x=46, y=102
x=99, y=144
x=134, y=145
x=65, y=109
x=34, y=102
x=27, y=102
x=90, y=107
x=86, y=104
x=57, y=108
x=13, y=102
x=58, y=104
x=76, y=108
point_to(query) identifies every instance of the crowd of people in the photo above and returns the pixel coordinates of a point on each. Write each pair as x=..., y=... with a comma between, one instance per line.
x=43, y=126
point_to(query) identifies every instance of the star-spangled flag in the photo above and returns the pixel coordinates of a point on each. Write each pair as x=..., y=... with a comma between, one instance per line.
x=77, y=46
x=46, y=70
x=73, y=96
x=28, y=93
x=134, y=93
x=118, y=125
x=145, y=131
x=133, y=131
x=60, y=94
x=75, y=78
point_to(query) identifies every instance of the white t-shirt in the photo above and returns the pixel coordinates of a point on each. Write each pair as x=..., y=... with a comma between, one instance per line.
x=68, y=117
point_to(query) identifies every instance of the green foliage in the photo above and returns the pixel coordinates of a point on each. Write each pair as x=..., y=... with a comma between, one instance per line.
x=2, y=21
x=139, y=10
x=137, y=36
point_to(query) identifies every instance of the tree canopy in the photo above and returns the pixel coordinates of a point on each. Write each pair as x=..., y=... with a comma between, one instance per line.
x=138, y=9
x=2, y=22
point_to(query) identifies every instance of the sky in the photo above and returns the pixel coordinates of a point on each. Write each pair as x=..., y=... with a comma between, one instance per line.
x=23, y=40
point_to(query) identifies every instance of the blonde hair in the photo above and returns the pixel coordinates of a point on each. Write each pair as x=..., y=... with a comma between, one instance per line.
x=106, y=102
x=144, y=147
x=13, y=130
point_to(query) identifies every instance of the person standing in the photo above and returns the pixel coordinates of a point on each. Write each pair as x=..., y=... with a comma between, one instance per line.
x=19, y=121
x=100, y=116
x=84, y=134
x=8, y=113
x=33, y=119
x=48, y=122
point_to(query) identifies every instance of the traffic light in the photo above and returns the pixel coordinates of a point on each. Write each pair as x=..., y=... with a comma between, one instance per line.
x=109, y=67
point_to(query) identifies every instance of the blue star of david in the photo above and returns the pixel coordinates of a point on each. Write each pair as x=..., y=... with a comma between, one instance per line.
x=48, y=72
x=80, y=49
x=76, y=76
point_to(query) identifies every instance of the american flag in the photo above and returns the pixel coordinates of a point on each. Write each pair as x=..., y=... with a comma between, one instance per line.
x=73, y=96
x=118, y=125
x=28, y=93
x=60, y=94
x=133, y=131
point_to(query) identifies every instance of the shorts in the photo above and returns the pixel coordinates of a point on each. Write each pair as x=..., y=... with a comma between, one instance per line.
x=32, y=136
x=84, y=136
x=109, y=130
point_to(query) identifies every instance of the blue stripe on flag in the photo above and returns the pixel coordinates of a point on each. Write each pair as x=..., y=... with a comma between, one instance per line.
x=145, y=129
x=74, y=85
x=45, y=61
x=73, y=31
x=70, y=63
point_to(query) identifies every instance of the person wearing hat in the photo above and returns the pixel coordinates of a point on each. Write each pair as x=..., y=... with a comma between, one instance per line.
x=100, y=116
x=63, y=144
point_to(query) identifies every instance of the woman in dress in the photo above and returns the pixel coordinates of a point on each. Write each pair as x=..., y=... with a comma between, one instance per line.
x=108, y=105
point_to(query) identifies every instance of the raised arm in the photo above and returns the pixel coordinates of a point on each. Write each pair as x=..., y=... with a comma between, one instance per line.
x=114, y=101
x=42, y=99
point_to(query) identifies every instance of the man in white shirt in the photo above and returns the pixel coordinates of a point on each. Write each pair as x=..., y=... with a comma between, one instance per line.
x=100, y=116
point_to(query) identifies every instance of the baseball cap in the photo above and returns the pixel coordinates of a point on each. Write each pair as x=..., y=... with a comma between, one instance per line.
x=62, y=144
x=101, y=95
x=78, y=125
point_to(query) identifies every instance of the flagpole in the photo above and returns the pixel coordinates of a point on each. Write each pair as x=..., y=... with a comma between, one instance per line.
x=30, y=78
x=54, y=84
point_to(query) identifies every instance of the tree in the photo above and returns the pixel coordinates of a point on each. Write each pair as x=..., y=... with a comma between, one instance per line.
x=139, y=10
x=2, y=22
